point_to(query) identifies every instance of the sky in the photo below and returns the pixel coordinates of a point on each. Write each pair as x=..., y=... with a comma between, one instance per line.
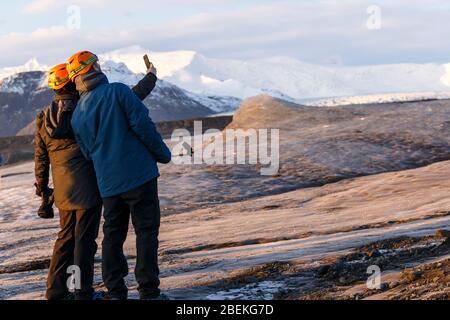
x=342, y=32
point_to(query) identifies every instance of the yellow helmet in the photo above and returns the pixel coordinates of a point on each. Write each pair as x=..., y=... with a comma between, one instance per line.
x=58, y=77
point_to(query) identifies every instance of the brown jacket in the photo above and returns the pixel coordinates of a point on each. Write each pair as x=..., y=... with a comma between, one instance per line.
x=73, y=176
x=74, y=180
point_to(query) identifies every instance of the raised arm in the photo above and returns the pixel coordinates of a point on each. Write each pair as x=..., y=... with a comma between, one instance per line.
x=145, y=86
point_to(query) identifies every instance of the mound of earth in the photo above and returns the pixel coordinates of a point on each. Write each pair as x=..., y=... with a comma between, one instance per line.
x=318, y=145
x=265, y=111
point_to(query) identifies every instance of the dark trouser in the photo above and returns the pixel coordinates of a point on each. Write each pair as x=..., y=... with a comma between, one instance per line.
x=143, y=204
x=75, y=246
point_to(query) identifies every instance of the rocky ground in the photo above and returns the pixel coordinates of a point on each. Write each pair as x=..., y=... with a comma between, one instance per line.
x=343, y=201
x=413, y=268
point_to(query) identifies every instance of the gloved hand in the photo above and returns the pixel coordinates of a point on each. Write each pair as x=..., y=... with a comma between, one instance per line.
x=152, y=69
x=38, y=189
x=46, y=209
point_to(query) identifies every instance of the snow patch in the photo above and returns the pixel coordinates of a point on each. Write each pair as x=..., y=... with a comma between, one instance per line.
x=218, y=104
x=377, y=98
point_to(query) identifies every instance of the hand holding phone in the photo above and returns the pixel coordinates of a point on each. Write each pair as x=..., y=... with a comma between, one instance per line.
x=150, y=67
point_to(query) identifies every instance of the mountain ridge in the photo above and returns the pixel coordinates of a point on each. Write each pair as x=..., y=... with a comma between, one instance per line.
x=23, y=95
x=280, y=76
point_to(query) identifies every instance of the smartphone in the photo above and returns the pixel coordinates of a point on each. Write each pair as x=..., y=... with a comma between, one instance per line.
x=148, y=64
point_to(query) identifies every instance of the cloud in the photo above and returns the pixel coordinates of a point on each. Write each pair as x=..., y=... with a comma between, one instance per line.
x=314, y=31
x=40, y=6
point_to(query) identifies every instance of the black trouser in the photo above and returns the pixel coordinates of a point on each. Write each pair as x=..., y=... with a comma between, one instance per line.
x=143, y=204
x=75, y=246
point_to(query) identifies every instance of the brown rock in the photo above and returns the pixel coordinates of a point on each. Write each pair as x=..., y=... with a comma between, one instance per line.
x=410, y=275
x=440, y=234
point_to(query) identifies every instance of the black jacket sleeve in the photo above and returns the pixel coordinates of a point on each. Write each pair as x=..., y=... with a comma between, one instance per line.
x=145, y=86
x=41, y=157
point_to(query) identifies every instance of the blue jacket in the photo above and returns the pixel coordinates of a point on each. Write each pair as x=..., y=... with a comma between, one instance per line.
x=114, y=130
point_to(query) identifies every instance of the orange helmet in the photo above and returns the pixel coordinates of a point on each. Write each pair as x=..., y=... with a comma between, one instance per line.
x=80, y=63
x=58, y=77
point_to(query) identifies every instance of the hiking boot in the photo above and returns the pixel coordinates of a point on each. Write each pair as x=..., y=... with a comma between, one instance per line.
x=110, y=297
x=84, y=295
x=69, y=297
x=160, y=297
x=99, y=295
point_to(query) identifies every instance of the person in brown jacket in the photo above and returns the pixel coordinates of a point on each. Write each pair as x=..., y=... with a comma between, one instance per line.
x=75, y=194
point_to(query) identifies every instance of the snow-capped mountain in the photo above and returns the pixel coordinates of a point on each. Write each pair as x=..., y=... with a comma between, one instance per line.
x=17, y=83
x=30, y=65
x=221, y=84
x=20, y=100
x=22, y=95
x=284, y=77
x=119, y=72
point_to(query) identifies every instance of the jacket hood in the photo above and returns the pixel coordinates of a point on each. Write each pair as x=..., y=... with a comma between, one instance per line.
x=89, y=81
x=57, y=117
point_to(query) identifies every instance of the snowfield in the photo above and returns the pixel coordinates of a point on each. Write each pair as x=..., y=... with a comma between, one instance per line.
x=284, y=77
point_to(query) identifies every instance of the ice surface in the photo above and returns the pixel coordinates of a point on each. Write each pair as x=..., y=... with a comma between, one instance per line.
x=203, y=246
x=256, y=291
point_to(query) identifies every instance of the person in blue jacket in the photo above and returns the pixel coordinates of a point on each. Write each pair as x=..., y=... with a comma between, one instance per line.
x=114, y=130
